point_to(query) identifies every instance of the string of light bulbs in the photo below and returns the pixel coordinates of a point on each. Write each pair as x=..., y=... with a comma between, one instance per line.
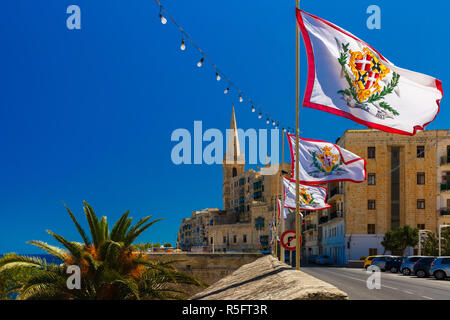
x=219, y=74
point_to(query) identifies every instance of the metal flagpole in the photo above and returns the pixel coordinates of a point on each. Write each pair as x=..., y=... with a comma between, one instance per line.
x=282, y=259
x=297, y=132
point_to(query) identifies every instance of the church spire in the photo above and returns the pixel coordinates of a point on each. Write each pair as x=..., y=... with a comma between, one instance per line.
x=233, y=152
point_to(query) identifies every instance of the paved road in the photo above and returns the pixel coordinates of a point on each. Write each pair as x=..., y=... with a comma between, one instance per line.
x=393, y=286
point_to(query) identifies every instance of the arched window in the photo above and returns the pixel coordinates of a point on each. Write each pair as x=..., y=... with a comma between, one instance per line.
x=234, y=172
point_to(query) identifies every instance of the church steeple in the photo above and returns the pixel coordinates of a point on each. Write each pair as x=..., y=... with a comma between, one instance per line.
x=234, y=161
x=233, y=152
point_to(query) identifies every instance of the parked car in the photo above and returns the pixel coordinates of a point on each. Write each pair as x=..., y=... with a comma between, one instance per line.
x=407, y=266
x=312, y=258
x=368, y=261
x=324, y=259
x=440, y=268
x=393, y=264
x=422, y=267
x=380, y=262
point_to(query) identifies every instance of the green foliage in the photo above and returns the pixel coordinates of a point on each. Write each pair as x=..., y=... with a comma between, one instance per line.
x=399, y=239
x=110, y=266
x=167, y=245
x=430, y=245
x=12, y=280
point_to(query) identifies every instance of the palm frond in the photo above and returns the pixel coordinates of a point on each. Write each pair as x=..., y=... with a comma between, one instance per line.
x=74, y=248
x=80, y=229
x=54, y=251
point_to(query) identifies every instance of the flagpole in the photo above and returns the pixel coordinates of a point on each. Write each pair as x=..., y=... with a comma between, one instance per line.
x=282, y=259
x=297, y=132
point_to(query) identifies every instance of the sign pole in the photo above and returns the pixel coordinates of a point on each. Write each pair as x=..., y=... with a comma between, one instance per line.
x=297, y=132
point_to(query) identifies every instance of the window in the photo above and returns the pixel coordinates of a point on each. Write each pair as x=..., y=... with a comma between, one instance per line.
x=371, y=179
x=371, y=204
x=373, y=251
x=420, y=151
x=244, y=238
x=224, y=239
x=445, y=261
x=259, y=223
x=421, y=226
x=421, y=204
x=371, y=152
x=234, y=172
x=234, y=239
x=420, y=177
x=371, y=229
x=212, y=240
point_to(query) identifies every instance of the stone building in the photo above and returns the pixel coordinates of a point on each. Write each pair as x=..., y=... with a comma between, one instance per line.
x=193, y=232
x=249, y=201
x=408, y=183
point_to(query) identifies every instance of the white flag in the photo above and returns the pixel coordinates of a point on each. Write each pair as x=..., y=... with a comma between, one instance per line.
x=349, y=78
x=285, y=211
x=322, y=162
x=311, y=198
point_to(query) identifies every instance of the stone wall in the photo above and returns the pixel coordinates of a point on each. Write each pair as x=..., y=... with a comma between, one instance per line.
x=207, y=267
x=269, y=279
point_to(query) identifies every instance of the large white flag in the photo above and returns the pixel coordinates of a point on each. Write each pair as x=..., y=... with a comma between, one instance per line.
x=311, y=198
x=349, y=78
x=322, y=162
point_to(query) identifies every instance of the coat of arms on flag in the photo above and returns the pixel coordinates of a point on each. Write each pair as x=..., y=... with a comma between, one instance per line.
x=322, y=162
x=349, y=78
x=311, y=198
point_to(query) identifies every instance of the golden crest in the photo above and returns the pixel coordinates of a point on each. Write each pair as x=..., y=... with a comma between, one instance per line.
x=368, y=71
x=328, y=159
x=305, y=197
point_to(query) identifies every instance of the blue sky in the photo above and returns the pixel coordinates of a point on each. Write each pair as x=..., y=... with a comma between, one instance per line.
x=88, y=114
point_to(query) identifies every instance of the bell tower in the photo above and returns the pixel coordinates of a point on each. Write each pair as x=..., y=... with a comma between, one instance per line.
x=233, y=164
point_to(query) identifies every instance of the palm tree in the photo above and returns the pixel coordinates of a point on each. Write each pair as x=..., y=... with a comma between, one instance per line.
x=110, y=267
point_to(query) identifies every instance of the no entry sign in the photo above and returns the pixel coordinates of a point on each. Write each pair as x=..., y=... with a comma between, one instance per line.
x=288, y=240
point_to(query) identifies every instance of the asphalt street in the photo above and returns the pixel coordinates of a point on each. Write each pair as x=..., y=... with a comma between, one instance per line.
x=394, y=286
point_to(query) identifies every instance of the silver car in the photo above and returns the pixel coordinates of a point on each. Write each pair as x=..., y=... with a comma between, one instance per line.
x=408, y=265
x=440, y=268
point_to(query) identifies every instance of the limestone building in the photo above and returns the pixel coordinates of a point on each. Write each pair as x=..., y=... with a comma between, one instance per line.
x=408, y=179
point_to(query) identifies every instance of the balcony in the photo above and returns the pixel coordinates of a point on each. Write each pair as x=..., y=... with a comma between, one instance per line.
x=445, y=187
x=310, y=227
x=336, y=191
x=445, y=212
x=336, y=214
x=323, y=219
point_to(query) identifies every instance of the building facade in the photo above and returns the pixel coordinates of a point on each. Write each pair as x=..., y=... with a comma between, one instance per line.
x=406, y=185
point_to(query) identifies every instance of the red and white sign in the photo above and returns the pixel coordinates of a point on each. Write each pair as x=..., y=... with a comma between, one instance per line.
x=288, y=240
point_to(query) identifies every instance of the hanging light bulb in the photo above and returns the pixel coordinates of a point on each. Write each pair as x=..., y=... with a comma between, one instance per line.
x=267, y=121
x=284, y=130
x=240, y=98
x=253, y=109
x=183, y=45
x=273, y=122
x=163, y=20
x=226, y=90
x=217, y=77
x=200, y=63
x=276, y=127
x=259, y=115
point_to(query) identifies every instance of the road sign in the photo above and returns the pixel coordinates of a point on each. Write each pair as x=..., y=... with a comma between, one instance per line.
x=288, y=240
